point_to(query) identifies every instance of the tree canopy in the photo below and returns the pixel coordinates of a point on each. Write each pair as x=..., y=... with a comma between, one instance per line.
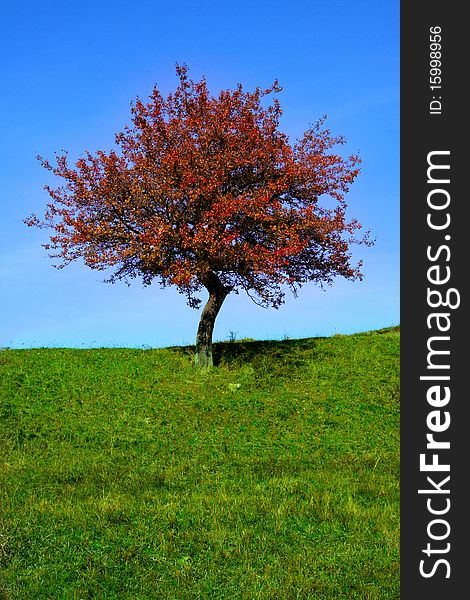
x=206, y=192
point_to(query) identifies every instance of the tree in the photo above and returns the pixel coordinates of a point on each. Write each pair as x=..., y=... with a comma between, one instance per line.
x=206, y=192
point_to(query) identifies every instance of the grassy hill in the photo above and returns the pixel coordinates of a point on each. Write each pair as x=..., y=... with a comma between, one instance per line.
x=128, y=474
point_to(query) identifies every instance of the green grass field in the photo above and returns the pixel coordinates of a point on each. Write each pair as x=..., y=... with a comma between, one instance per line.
x=128, y=474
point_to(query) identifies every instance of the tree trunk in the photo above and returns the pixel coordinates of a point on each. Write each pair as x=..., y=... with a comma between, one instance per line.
x=217, y=294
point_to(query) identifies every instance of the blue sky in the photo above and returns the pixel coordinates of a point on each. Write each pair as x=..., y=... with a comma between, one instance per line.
x=69, y=74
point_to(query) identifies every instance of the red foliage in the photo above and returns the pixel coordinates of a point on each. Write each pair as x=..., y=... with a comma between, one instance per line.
x=204, y=185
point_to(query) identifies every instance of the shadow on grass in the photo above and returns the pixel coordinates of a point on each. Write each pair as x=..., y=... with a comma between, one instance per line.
x=291, y=351
x=253, y=351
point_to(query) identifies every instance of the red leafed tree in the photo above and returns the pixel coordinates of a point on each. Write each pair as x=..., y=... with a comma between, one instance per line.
x=205, y=192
